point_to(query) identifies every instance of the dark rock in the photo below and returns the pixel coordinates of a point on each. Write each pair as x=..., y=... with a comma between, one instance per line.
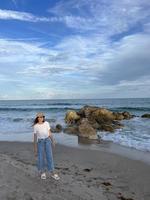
x=147, y=115
x=57, y=129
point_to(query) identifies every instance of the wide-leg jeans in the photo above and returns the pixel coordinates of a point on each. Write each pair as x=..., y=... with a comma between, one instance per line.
x=45, y=155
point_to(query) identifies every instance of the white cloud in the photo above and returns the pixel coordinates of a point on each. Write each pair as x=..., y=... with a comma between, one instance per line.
x=17, y=51
x=109, y=17
x=129, y=59
x=93, y=60
x=25, y=16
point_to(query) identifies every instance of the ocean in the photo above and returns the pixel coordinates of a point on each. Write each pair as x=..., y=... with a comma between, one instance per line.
x=16, y=118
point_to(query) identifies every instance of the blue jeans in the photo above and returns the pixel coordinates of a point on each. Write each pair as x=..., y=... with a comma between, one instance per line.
x=45, y=151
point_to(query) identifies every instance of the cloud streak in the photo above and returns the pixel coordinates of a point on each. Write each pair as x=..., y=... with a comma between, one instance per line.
x=103, y=16
x=29, y=17
x=24, y=16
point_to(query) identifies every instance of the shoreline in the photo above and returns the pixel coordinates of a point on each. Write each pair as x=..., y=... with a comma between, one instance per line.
x=85, y=175
x=104, y=146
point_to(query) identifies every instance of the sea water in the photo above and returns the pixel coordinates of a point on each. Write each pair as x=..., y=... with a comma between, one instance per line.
x=16, y=119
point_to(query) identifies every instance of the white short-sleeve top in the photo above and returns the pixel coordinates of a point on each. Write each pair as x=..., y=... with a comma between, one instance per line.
x=42, y=130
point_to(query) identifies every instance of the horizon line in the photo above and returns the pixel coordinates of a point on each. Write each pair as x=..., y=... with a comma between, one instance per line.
x=76, y=99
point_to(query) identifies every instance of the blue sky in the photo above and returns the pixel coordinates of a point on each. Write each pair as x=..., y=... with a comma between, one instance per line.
x=56, y=49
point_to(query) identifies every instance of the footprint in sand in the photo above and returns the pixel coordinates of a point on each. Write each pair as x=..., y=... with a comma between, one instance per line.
x=88, y=169
x=121, y=197
x=106, y=184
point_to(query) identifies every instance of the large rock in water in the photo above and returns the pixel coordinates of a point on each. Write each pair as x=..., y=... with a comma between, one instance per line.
x=71, y=117
x=101, y=115
x=90, y=119
x=86, y=130
x=147, y=115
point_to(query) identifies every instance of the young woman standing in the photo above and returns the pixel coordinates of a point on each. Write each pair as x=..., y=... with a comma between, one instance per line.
x=43, y=141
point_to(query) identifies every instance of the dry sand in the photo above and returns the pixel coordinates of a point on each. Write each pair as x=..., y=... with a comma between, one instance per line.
x=85, y=175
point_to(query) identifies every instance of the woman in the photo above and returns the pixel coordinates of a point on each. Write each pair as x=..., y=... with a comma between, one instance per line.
x=42, y=146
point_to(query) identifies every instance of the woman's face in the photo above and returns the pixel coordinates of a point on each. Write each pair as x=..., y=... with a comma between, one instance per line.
x=40, y=119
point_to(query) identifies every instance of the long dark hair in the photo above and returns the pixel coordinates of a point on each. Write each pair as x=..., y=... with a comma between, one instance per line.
x=36, y=120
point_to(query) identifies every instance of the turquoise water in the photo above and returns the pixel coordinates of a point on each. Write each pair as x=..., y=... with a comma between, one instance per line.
x=16, y=118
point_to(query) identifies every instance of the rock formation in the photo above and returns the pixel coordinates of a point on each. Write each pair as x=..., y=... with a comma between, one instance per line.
x=89, y=119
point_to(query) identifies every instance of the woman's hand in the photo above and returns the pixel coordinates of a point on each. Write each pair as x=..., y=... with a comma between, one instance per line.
x=35, y=145
x=35, y=151
x=52, y=139
x=53, y=142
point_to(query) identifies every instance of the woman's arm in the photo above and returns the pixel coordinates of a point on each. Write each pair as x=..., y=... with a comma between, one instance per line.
x=35, y=144
x=51, y=137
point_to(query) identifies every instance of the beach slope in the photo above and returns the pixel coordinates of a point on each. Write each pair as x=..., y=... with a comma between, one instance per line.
x=85, y=175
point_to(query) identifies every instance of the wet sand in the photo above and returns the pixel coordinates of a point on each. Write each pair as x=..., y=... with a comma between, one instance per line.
x=85, y=175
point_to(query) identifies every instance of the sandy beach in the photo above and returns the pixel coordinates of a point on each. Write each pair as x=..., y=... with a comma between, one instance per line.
x=85, y=175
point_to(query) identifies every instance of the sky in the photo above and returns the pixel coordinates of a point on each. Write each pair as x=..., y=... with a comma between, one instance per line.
x=74, y=49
